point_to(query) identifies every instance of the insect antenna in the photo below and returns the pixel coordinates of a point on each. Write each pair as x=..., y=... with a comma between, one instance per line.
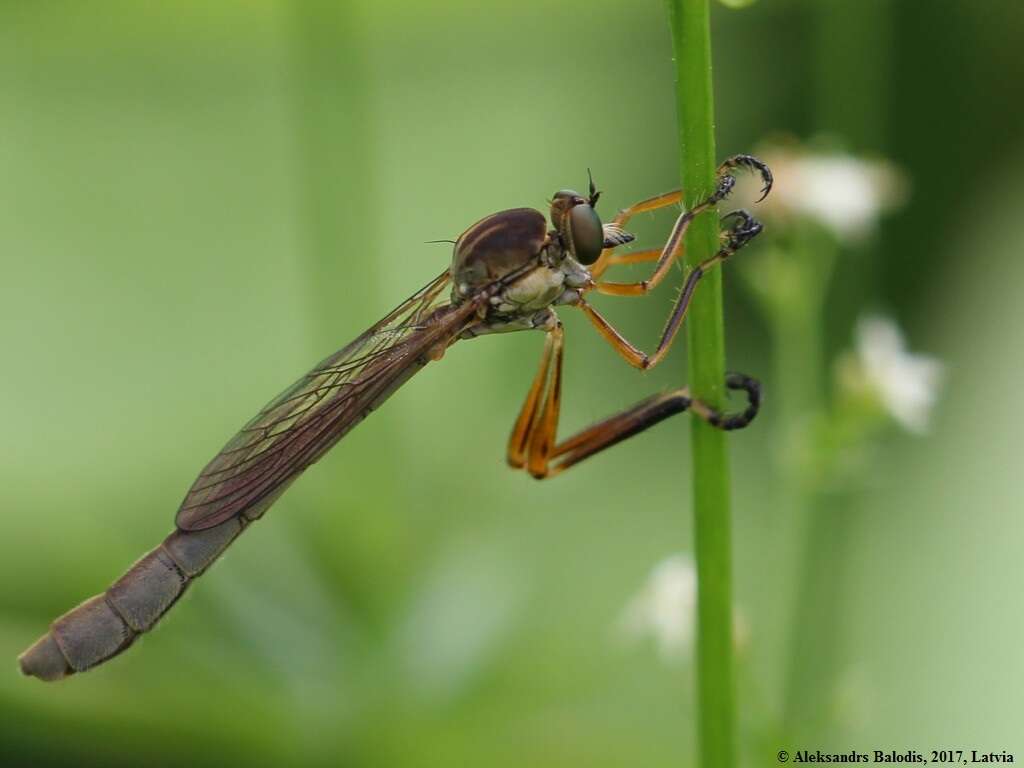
x=594, y=194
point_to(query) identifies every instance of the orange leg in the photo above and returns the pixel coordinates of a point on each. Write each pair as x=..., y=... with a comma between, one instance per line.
x=674, y=197
x=548, y=458
x=545, y=428
x=736, y=237
x=673, y=246
x=519, y=444
x=614, y=259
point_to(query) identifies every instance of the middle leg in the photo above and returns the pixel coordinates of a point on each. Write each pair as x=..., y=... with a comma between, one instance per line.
x=735, y=237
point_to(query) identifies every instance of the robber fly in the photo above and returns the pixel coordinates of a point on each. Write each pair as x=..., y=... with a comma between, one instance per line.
x=508, y=273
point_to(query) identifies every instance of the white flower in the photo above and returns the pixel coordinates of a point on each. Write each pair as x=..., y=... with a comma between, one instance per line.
x=907, y=384
x=665, y=609
x=844, y=193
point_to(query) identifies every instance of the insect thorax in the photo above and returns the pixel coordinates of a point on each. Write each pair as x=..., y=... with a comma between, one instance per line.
x=510, y=242
x=495, y=247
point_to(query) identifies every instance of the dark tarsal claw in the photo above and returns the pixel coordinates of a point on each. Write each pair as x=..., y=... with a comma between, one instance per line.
x=752, y=164
x=745, y=228
x=725, y=184
x=752, y=388
x=731, y=420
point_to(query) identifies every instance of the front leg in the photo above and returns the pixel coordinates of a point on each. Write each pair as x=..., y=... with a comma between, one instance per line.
x=673, y=246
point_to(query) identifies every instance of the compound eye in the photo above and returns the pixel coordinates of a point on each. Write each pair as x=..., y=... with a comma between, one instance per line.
x=563, y=200
x=585, y=234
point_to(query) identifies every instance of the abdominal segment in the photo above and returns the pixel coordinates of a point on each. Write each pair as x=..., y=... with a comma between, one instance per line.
x=104, y=625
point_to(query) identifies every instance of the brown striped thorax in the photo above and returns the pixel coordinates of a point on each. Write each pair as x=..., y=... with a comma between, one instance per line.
x=543, y=267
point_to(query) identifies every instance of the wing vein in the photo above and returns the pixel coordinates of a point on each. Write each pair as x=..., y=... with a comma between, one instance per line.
x=301, y=424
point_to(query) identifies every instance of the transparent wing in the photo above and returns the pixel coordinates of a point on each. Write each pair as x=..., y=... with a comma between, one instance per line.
x=302, y=423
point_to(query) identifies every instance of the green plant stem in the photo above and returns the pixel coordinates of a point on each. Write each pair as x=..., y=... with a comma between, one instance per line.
x=691, y=38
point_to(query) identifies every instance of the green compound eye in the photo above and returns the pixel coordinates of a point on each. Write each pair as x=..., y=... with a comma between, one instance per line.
x=584, y=233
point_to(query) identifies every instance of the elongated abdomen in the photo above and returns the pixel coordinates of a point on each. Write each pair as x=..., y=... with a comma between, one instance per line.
x=249, y=475
x=106, y=624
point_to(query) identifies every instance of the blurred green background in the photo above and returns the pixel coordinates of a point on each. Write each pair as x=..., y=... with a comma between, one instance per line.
x=200, y=199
